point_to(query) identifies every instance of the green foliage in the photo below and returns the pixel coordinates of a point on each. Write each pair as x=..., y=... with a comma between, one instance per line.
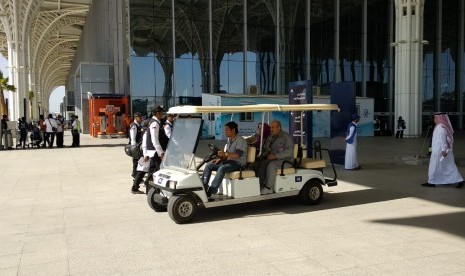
x=31, y=95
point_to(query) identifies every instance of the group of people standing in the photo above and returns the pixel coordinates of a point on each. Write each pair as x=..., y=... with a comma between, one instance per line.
x=54, y=127
x=44, y=131
x=152, y=136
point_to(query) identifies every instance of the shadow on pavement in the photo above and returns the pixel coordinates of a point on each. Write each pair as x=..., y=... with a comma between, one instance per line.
x=452, y=223
x=291, y=205
x=100, y=146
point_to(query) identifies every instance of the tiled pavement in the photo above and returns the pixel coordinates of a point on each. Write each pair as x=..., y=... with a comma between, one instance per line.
x=69, y=212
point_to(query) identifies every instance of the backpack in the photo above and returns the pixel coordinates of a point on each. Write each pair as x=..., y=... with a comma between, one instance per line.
x=23, y=126
x=134, y=151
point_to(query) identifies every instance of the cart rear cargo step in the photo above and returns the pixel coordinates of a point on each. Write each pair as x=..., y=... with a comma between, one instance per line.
x=331, y=182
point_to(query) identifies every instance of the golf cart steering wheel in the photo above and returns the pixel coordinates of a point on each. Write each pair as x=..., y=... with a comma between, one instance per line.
x=214, y=149
x=213, y=154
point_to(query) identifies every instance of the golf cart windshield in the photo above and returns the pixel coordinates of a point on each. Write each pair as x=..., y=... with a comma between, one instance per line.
x=183, y=143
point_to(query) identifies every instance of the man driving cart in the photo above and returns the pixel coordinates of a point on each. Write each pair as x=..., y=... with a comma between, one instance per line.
x=232, y=159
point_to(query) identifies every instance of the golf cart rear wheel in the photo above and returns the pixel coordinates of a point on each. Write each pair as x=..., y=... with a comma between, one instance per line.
x=311, y=193
x=182, y=209
x=151, y=201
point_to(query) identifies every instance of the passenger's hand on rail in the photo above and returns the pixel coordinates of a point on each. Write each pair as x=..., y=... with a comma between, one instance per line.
x=271, y=156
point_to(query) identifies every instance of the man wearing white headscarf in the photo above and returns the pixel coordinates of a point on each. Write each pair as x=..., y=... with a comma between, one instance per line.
x=442, y=169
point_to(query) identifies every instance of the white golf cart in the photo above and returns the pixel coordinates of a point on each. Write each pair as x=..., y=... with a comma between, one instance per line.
x=177, y=186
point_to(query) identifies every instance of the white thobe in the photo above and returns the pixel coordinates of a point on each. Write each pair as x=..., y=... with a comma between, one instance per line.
x=442, y=171
x=351, y=161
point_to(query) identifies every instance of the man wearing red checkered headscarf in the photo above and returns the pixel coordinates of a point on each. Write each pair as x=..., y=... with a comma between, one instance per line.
x=442, y=169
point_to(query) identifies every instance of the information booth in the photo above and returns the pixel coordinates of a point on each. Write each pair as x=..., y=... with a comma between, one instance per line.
x=108, y=113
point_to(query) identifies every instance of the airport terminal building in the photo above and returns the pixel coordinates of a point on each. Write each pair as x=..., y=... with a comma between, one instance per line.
x=408, y=55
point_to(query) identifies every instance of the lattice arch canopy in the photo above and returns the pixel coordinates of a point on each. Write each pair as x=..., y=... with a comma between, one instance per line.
x=39, y=38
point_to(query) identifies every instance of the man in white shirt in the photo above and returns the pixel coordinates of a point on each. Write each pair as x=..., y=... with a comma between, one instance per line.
x=50, y=129
x=76, y=129
x=169, y=125
x=154, y=150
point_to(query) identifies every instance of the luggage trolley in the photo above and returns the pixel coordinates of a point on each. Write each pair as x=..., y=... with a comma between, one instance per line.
x=34, y=137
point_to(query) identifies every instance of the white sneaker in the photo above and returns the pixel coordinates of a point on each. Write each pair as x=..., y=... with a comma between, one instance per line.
x=265, y=191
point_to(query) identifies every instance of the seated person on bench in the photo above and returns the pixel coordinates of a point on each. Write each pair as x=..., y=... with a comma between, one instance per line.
x=277, y=149
x=255, y=139
x=230, y=160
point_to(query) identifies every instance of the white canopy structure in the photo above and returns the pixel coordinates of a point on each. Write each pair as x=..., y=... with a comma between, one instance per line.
x=190, y=109
x=39, y=38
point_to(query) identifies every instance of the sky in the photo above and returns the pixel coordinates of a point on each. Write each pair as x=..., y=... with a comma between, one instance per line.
x=55, y=98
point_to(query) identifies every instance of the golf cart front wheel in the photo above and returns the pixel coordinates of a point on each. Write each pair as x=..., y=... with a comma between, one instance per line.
x=152, y=203
x=182, y=209
x=311, y=193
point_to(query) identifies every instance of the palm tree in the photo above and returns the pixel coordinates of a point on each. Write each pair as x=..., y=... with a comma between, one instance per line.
x=4, y=86
x=31, y=97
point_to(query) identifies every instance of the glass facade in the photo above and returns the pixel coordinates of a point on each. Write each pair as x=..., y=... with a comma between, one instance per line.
x=180, y=49
x=443, y=63
x=94, y=78
x=378, y=65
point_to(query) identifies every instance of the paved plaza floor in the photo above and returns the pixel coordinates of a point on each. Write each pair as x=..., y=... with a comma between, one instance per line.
x=69, y=211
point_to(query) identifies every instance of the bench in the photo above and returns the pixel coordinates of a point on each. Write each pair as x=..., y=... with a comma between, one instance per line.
x=242, y=183
x=246, y=171
x=316, y=163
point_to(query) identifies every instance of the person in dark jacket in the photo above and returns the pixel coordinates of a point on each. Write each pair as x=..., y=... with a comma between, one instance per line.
x=400, y=128
x=23, y=127
x=135, y=136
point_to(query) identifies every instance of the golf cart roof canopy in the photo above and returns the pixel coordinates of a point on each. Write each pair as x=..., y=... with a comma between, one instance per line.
x=191, y=109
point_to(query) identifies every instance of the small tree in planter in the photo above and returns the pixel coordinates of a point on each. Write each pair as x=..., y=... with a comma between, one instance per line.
x=4, y=86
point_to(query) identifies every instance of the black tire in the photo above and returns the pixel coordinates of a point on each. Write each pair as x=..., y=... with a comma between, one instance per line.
x=311, y=193
x=182, y=209
x=154, y=205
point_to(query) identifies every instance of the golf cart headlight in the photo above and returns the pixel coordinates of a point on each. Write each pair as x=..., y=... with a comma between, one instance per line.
x=172, y=184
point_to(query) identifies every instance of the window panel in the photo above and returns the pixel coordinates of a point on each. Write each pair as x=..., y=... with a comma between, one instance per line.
x=322, y=41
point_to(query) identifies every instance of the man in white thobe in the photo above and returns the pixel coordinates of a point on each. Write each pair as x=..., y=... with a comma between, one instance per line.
x=351, y=160
x=442, y=169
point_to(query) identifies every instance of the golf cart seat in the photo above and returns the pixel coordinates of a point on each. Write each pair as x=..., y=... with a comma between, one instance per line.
x=244, y=172
x=242, y=183
x=310, y=163
x=285, y=171
x=305, y=162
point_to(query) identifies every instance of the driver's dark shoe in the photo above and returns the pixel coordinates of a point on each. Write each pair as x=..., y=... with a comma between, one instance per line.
x=428, y=185
x=460, y=185
x=210, y=195
x=136, y=191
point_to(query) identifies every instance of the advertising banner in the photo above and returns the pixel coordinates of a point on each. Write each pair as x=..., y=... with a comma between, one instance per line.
x=365, y=110
x=248, y=122
x=300, y=124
